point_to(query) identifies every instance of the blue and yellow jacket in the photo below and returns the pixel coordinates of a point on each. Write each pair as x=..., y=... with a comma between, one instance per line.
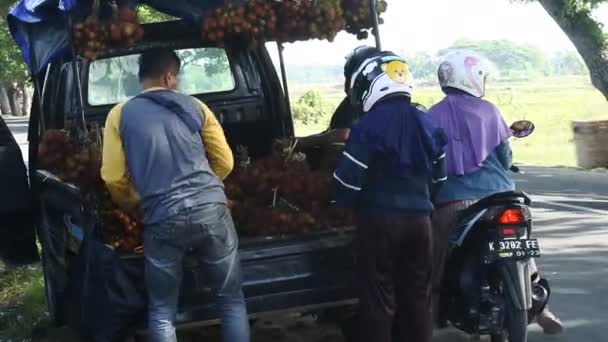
x=165, y=151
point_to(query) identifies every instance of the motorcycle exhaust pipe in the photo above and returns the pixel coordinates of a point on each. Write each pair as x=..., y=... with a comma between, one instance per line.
x=540, y=296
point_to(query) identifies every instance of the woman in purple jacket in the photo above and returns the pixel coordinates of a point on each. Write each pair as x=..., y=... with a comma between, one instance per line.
x=478, y=157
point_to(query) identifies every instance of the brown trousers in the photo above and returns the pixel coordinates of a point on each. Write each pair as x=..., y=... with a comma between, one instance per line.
x=394, y=261
x=444, y=222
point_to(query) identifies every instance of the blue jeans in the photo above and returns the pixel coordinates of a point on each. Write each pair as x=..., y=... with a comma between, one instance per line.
x=209, y=230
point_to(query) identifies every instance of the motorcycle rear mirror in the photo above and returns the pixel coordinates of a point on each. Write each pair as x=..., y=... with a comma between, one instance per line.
x=522, y=128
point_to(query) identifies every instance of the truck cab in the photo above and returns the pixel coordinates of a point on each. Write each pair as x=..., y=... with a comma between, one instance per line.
x=308, y=273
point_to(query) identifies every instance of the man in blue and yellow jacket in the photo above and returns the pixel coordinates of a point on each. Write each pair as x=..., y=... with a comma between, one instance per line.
x=167, y=152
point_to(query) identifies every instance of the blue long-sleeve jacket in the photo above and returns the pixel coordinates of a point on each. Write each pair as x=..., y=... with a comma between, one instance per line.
x=366, y=177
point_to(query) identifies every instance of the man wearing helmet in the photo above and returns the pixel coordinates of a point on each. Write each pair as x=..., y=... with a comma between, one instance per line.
x=478, y=159
x=330, y=142
x=388, y=170
x=345, y=115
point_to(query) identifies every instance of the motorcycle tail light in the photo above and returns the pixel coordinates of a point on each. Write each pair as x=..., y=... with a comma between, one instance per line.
x=509, y=232
x=511, y=217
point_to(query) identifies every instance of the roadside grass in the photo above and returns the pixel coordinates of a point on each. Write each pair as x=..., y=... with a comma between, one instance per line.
x=22, y=303
x=551, y=103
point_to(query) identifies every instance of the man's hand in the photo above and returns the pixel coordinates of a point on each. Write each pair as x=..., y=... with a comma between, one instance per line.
x=279, y=146
x=334, y=136
x=338, y=135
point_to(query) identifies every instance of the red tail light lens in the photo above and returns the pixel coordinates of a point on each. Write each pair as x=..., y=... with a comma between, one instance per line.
x=508, y=232
x=511, y=216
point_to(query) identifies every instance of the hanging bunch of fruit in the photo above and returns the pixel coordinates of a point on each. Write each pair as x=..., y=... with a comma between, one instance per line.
x=79, y=163
x=257, y=21
x=90, y=37
x=94, y=35
x=124, y=28
x=69, y=160
x=357, y=14
x=309, y=19
x=251, y=21
x=121, y=230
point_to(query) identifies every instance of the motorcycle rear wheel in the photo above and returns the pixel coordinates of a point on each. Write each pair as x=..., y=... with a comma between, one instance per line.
x=516, y=326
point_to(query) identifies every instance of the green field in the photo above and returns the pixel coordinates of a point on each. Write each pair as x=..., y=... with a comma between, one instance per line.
x=552, y=104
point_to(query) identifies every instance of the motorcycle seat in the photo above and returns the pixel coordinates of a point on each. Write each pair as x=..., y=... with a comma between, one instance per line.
x=500, y=198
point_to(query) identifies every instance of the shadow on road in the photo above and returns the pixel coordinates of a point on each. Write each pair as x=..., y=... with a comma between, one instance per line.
x=575, y=245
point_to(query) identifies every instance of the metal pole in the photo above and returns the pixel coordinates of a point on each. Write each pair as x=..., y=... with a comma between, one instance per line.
x=41, y=95
x=38, y=93
x=78, y=83
x=285, y=87
x=34, y=122
x=376, y=30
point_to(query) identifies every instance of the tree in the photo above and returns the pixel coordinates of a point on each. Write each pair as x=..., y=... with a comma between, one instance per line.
x=586, y=33
x=13, y=73
x=512, y=59
x=311, y=108
x=568, y=63
x=423, y=65
x=14, y=77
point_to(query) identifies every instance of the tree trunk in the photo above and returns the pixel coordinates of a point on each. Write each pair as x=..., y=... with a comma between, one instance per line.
x=5, y=108
x=11, y=91
x=25, y=100
x=587, y=36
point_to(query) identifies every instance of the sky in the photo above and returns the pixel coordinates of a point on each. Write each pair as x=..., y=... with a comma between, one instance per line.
x=430, y=25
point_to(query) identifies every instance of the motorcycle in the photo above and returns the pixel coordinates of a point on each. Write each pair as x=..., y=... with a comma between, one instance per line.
x=487, y=287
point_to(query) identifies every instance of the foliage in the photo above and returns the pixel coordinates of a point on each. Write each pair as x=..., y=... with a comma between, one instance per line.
x=12, y=66
x=149, y=15
x=22, y=303
x=311, y=108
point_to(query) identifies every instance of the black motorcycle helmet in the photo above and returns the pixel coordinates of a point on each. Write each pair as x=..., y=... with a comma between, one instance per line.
x=379, y=77
x=354, y=60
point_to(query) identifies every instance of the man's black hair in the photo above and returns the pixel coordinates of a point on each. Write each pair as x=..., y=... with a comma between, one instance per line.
x=157, y=61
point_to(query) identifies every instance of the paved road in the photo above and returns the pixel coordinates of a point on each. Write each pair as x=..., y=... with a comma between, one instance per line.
x=19, y=128
x=571, y=219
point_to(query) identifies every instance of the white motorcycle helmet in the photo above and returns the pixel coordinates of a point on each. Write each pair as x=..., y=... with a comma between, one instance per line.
x=463, y=70
x=378, y=77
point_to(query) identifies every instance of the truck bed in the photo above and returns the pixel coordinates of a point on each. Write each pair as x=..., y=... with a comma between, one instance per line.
x=288, y=273
x=297, y=273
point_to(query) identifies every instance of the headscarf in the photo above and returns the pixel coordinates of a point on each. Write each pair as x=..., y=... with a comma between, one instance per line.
x=402, y=135
x=474, y=128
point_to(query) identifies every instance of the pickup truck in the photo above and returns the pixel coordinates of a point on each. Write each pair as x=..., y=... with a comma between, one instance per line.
x=309, y=273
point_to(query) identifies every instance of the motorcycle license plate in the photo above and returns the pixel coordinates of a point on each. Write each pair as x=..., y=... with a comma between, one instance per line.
x=515, y=249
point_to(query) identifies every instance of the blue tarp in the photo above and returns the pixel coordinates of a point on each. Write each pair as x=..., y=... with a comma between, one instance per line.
x=40, y=27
